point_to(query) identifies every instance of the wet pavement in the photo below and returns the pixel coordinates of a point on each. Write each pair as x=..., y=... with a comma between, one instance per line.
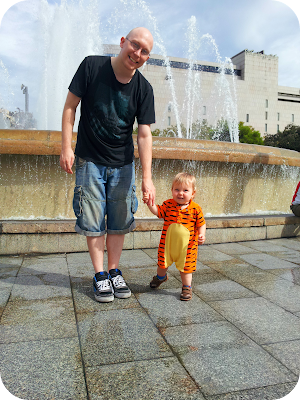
x=237, y=339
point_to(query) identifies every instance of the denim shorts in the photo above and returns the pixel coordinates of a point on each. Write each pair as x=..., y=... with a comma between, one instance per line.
x=104, y=198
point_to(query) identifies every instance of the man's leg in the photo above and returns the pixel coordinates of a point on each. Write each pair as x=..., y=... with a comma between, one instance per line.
x=103, y=289
x=114, y=246
x=96, y=250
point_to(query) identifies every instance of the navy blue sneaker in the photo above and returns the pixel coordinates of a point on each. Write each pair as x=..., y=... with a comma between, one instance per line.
x=103, y=290
x=121, y=290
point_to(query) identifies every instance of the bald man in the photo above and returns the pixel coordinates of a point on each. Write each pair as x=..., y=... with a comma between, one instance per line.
x=112, y=93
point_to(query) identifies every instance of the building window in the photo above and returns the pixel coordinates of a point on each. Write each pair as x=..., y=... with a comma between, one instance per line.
x=169, y=107
x=204, y=110
x=277, y=128
x=267, y=103
x=247, y=117
x=278, y=116
x=266, y=114
x=266, y=127
x=293, y=118
x=169, y=121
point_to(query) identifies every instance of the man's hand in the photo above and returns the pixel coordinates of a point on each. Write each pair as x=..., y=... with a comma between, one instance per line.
x=66, y=160
x=148, y=191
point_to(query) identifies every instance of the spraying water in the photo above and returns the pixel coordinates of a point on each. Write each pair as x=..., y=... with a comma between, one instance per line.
x=70, y=31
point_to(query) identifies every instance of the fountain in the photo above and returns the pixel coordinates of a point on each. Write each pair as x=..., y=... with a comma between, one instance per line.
x=233, y=179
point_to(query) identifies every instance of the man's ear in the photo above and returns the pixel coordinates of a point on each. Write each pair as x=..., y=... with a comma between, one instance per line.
x=122, y=41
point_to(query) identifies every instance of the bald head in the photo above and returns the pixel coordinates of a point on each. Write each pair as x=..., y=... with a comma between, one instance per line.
x=141, y=33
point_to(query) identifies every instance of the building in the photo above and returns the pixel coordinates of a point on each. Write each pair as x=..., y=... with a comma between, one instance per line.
x=245, y=89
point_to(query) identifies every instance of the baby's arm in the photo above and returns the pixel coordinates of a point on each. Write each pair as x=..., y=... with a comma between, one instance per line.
x=201, y=234
x=153, y=208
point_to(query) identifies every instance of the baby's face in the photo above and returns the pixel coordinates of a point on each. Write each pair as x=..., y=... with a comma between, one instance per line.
x=183, y=193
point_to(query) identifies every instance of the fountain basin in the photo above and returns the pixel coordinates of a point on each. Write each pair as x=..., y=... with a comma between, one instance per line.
x=37, y=142
x=233, y=179
x=244, y=190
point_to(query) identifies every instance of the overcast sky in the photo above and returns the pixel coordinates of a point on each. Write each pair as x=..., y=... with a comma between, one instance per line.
x=234, y=25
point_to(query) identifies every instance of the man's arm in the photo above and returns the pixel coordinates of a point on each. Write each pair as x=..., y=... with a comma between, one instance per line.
x=144, y=141
x=68, y=118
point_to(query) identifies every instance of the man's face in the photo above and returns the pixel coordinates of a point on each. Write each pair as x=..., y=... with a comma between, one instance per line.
x=136, y=48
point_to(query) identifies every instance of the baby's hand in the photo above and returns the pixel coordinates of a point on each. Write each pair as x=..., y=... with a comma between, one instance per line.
x=145, y=197
x=201, y=239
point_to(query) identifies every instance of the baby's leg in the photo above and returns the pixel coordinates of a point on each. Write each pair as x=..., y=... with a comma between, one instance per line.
x=160, y=278
x=161, y=271
x=186, y=292
x=186, y=279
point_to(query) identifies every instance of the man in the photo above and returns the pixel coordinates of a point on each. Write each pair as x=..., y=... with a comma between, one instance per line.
x=112, y=93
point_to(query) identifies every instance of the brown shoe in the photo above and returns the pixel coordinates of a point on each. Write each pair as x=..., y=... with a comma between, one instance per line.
x=155, y=283
x=186, y=293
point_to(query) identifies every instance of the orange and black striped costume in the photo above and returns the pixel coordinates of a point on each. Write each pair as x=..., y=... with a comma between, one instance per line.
x=179, y=237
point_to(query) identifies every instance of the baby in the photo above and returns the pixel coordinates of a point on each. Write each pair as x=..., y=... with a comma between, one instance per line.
x=184, y=228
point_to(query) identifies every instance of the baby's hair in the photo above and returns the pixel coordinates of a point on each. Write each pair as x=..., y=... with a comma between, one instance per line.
x=184, y=177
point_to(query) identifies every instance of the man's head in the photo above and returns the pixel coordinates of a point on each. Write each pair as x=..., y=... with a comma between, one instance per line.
x=136, y=47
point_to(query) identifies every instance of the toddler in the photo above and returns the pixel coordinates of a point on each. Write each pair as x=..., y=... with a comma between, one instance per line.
x=184, y=228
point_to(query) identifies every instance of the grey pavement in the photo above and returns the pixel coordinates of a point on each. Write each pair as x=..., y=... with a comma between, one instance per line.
x=237, y=339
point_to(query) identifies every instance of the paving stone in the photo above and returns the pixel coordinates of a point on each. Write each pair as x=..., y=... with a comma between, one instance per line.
x=41, y=265
x=49, y=369
x=109, y=337
x=281, y=292
x=82, y=259
x=242, y=272
x=292, y=274
x=287, y=255
x=264, y=245
x=288, y=353
x=221, y=359
x=221, y=290
x=162, y=379
x=272, y=392
x=9, y=261
x=206, y=255
x=151, y=253
x=7, y=281
x=135, y=258
x=165, y=308
x=6, y=271
x=35, y=287
x=290, y=243
x=265, y=261
x=37, y=320
x=4, y=296
x=260, y=319
x=232, y=248
x=237, y=339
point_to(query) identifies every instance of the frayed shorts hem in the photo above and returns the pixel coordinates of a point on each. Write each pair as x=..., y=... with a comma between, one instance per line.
x=109, y=231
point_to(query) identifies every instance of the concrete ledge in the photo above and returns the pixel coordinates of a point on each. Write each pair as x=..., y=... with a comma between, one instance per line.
x=58, y=236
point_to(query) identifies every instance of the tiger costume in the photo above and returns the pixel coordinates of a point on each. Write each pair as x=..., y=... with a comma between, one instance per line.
x=179, y=238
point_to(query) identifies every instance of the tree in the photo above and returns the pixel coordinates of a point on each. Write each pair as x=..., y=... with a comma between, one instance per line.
x=247, y=134
x=288, y=139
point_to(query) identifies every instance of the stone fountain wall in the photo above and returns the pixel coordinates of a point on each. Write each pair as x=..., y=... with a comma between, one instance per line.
x=232, y=178
x=244, y=190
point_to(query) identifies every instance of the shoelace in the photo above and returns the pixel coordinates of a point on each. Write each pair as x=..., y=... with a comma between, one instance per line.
x=118, y=281
x=103, y=285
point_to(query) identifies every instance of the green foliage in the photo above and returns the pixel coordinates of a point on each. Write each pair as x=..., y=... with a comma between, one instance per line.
x=247, y=134
x=288, y=139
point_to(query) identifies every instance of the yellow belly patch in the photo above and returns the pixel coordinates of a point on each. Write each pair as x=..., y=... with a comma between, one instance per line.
x=177, y=240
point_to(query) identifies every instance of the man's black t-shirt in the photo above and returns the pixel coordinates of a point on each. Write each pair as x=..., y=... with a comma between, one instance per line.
x=108, y=111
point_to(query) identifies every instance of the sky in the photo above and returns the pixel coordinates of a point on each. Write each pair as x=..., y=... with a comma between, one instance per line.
x=32, y=45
